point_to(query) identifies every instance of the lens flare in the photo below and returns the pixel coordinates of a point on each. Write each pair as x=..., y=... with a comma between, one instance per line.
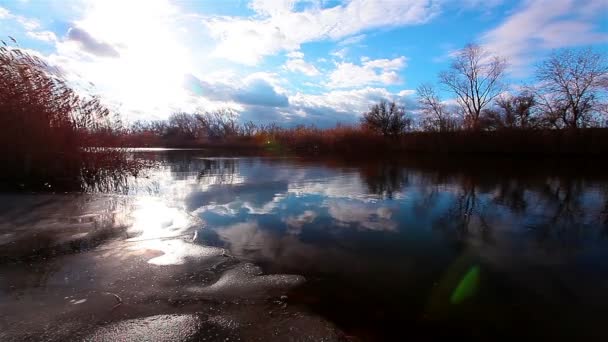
x=467, y=287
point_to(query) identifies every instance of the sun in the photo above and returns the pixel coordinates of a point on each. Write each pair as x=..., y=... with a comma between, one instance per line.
x=148, y=74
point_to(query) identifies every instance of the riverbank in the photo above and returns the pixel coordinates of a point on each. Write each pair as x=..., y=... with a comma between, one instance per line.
x=356, y=142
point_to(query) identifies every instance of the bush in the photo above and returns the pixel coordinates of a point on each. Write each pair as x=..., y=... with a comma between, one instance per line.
x=386, y=118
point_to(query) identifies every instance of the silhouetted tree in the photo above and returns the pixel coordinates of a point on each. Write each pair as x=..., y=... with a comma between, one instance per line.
x=386, y=118
x=436, y=116
x=572, y=87
x=248, y=129
x=184, y=126
x=516, y=111
x=475, y=77
x=219, y=124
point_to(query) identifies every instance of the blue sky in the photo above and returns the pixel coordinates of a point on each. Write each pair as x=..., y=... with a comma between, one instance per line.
x=290, y=61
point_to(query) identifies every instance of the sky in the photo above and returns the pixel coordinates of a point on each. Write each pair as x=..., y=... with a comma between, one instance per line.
x=287, y=61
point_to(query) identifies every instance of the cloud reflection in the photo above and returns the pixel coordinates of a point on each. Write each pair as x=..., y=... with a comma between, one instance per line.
x=362, y=215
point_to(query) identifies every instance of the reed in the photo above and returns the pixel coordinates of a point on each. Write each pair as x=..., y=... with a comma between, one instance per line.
x=47, y=127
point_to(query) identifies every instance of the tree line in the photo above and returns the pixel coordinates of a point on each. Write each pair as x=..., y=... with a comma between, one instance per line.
x=570, y=91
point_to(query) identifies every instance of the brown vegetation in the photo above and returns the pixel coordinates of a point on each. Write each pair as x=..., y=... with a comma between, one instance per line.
x=46, y=127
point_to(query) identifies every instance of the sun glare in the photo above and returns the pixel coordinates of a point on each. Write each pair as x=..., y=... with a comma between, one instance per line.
x=149, y=73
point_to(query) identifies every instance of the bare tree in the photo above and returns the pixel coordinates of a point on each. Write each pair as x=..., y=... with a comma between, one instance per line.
x=219, y=124
x=248, y=129
x=572, y=87
x=475, y=77
x=184, y=126
x=435, y=114
x=516, y=111
x=386, y=118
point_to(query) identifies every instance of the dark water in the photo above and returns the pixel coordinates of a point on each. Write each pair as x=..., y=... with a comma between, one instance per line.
x=378, y=250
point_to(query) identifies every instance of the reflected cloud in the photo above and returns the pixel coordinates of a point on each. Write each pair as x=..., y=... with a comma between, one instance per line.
x=295, y=223
x=362, y=215
x=251, y=241
x=246, y=236
x=343, y=186
x=256, y=196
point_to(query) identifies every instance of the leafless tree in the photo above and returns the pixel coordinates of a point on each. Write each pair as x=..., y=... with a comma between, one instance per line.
x=184, y=126
x=572, y=88
x=436, y=116
x=386, y=118
x=219, y=124
x=516, y=111
x=475, y=77
x=248, y=129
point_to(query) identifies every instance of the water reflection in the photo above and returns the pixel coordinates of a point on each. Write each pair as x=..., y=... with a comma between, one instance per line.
x=475, y=235
x=252, y=204
x=383, y=244
x=384, y=179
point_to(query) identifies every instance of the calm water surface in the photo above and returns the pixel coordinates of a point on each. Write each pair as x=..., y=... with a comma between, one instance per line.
x=283, y=248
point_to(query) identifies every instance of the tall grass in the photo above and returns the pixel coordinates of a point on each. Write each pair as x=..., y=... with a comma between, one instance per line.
x=45, y=128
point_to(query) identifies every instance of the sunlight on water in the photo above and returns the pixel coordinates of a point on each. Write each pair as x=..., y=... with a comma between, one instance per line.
x=153, y=218
x=164, y=229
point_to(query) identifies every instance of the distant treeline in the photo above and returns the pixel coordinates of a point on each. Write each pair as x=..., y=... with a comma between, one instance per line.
x=565, y=112
x=361, y=141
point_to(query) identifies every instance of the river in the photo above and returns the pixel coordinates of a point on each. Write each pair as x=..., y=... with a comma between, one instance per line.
x=226, y=247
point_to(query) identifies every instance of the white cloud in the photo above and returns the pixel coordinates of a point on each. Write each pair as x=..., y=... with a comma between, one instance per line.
x=481, y=3
x=325, y=109
x=296, y=63
x=377, y=71
x=257, y=89
x=299, y=65
x=406, y=92
x=272, y=7
x=28, y=23
x=4, y=13
x=545, y=24
x=340, y=53
x=344, y=105
x=46, y=36
x=279, y=27
x=295, y=54
x=352, y=40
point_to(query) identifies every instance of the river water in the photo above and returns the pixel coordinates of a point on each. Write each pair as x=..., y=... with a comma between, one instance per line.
x=208, y=247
